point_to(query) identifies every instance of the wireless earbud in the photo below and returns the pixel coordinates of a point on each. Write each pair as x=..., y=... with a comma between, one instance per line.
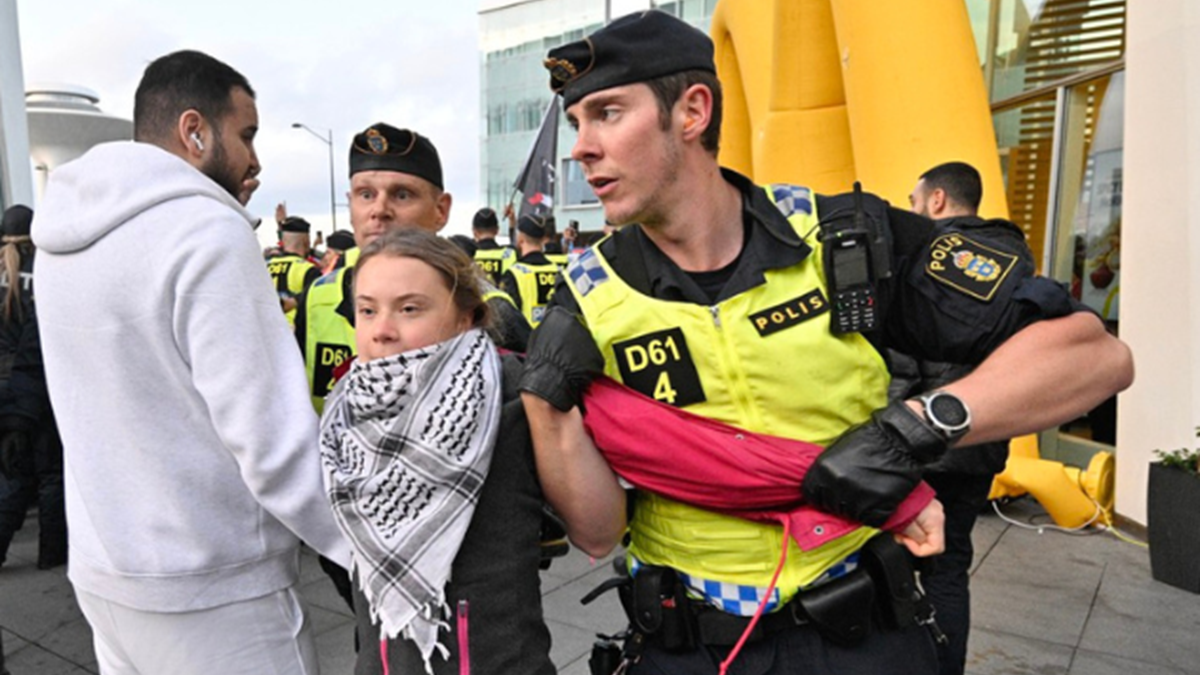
x=199, y=143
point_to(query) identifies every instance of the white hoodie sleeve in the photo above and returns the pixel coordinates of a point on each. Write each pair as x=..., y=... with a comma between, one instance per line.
x=231, y=331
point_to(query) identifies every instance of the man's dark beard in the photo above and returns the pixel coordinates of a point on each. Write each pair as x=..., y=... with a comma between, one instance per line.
x=217, y=167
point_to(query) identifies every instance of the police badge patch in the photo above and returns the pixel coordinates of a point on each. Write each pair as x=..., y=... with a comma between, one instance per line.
x=968, y=266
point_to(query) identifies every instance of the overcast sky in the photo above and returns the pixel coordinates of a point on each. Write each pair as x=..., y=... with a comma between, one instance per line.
x=331, y=65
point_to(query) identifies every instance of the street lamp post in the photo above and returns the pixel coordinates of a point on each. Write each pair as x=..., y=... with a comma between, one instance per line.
x=327, y=141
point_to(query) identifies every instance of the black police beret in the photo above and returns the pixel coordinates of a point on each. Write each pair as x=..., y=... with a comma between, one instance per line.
x=634, y=48
x=381, y=147
x=16, y=221
x=295, y=224
x=485, y=220
x=537, y=227
x=464, y=243
x=340, y=240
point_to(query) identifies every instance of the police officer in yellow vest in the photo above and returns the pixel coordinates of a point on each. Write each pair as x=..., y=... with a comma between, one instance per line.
x=290, y=268
x=491, y=257
x=530, y=281
x=395, y=182
x=767, y=308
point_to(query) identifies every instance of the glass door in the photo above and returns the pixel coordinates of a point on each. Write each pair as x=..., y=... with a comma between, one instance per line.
x=1084, y=241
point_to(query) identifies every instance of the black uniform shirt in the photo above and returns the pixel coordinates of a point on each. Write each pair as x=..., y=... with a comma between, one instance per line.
x=931, y=312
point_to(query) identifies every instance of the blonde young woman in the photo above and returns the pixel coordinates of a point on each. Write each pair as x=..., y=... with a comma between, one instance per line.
x=31, y=470
x=431, y=474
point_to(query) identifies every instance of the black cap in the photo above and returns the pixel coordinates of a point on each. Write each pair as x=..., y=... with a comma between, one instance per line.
x=381, y=147
x=538, y=227
x=485, y=220
x=634, y=48
x=465, y=243
x=340, y=240
x=16, y=221
x=295, y=224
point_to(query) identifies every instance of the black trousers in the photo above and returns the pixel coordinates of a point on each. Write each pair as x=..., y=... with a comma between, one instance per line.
x=947, y=583
x=801, y=651
x=44, y=487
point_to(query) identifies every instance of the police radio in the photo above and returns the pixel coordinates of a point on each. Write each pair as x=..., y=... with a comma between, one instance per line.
x=855, y=256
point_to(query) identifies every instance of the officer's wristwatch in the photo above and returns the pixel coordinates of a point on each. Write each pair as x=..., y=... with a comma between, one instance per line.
x=946, y=414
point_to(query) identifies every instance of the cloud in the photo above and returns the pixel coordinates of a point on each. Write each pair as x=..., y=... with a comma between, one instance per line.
x=338, y=66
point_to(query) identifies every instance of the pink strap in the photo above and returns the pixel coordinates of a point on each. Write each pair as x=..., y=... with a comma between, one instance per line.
x=464, y=642
x=762, y=605
x=383, y=655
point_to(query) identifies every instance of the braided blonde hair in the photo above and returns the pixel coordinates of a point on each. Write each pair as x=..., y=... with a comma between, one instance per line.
x=10, y=267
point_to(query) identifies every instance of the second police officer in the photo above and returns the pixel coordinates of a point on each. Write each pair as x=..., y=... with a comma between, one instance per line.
x=395, y=183
x=768, y=309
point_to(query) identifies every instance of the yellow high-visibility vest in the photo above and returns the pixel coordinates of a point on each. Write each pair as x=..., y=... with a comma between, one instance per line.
x=764, y=360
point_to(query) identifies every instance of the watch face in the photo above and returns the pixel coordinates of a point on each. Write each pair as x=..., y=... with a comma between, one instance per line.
x=948, y=410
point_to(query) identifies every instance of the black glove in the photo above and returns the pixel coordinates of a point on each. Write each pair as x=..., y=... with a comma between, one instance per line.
x=872, y=467
x=561, y=361
x=16, y=454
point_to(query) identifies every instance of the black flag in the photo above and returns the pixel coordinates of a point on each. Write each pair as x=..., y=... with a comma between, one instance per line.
x=538, y=176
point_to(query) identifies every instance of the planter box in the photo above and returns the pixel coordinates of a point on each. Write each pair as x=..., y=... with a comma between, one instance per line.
x=1173, y=528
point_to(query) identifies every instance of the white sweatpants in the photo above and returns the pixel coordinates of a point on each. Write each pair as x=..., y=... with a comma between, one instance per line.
x=270, y=635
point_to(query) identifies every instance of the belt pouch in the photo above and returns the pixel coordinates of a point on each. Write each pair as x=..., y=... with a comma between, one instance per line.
x=646, y=599
x=660, y=608
x=891, y=569
x=841, y=609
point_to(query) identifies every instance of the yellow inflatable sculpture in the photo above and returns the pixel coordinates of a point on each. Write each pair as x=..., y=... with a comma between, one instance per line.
x=825, y=92
x=822, y=93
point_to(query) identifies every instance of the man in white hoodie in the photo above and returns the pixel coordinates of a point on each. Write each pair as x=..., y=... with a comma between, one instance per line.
x=191, y=461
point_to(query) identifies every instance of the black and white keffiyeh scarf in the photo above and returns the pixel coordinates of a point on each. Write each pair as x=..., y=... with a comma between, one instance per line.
x=406, y=442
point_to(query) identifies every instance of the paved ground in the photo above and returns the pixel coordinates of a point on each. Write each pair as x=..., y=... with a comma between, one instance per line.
x=1044, y=604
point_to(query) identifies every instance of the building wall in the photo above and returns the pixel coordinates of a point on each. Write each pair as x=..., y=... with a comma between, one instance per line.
x=16, y=180
x=1160, y=322
x=514, y=39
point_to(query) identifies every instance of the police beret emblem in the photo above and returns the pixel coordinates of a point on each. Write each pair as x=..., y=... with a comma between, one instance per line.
x=376, y=142
x=561, y=70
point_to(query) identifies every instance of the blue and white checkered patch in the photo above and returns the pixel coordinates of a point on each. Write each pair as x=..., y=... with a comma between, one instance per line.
x=327, y=278
x=732, y=598
x=586, y=272
x=744, y=600
x=792, y=198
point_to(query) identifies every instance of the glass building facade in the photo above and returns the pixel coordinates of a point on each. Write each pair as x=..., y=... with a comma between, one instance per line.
x=16, y=179
x=515, y=87
x=1055, y=73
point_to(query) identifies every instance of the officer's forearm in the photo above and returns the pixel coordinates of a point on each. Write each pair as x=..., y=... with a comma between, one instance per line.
x=577, y=481
x=1048, y=373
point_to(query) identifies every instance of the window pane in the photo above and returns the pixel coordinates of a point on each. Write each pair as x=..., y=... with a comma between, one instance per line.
x=1033, y=43
x=576, y=191
x=1025, y=137
x=1088, y=245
